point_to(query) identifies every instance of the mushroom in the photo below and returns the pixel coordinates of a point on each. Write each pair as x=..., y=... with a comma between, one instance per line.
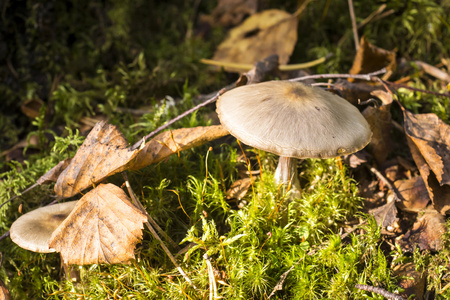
x=293, y=121
x=33, y=230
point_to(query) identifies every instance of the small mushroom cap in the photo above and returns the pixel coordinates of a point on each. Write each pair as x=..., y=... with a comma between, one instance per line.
x=33, y=230
x=293, y=120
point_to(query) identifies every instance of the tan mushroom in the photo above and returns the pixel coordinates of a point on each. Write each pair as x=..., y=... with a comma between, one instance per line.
x=293, y=121
x=33, y=230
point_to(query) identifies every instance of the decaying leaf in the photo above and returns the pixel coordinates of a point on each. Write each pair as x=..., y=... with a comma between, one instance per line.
x=239, y=188
x=370, y=58
x=104, y=227
x=32, y=107
x=263, y=68
x=354, y=91
x=231, y=12
x=53, y=174
x=385, y=215
x=412, y=281
x=379, y=119
x=170, y=142
x=4, y=293
x=426, y=233
x=429, y=142
x=413, y=193
x=268, y=32
x=432, y=137
x=103, y=153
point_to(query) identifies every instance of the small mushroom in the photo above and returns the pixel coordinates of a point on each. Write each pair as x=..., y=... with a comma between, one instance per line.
x=33, y=230
x=293, y=121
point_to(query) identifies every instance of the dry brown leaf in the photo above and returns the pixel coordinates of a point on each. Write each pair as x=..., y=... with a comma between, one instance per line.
x=385, y=215
x=232, y=12
x=53, y=174
x=261, y=35
x=412, y=281
x=170, y=142
x=4, y=293
x=379, y=119
x=370, y=58
x=239, y=188
x=103, y=153
x=413, y=193
x=429, y=142
x=32, y=107
x=104, y=227
x=432, y=137
x=425, y=234
x=354, y=91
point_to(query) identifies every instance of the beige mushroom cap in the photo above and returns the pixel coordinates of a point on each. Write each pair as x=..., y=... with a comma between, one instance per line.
x=293, y=120
x=33, y=230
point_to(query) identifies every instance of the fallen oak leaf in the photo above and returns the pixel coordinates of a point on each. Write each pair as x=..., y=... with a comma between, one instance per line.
x=169, y=142
x=103, y=227
x=103, y=153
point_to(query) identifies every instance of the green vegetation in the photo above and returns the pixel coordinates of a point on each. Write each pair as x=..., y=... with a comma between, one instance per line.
x=88, y=58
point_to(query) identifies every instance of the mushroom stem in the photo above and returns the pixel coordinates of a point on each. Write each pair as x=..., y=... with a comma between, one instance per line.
x=286, y=174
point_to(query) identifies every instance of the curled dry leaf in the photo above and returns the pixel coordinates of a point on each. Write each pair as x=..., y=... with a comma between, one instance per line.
x=379, y=119
x=429, y=142
x=268, y=32
x=174, y=141
x=370, y=58
x=104, y=227
x=413, y=193
x=426, y=233
x=103, y=153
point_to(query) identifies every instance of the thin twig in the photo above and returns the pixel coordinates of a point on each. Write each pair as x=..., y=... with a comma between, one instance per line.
x=386, y=182
x=354, y=26
x=179, y=117
x=21, y=194
x=367, y=77
x=150, y=219
x=156, y=236
x=380, y=291
x=399, y=85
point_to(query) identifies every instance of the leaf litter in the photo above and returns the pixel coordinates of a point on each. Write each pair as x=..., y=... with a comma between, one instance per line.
x=106, y=152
